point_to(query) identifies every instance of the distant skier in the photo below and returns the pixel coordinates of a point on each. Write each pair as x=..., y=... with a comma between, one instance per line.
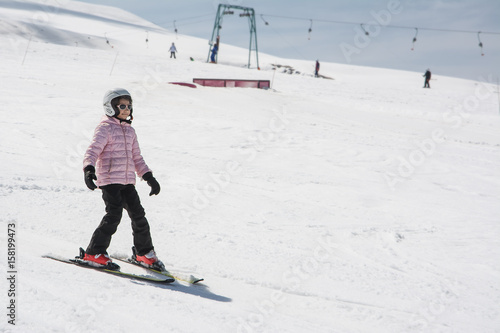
x=172, y=51
x=113, y=159
x=316, y=70
x=427, y=78
x=214, y=53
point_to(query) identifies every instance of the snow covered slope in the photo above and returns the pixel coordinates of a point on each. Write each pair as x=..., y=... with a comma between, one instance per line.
x=359, y=204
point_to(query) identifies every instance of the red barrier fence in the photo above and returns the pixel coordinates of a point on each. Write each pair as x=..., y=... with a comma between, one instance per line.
x=263, y=84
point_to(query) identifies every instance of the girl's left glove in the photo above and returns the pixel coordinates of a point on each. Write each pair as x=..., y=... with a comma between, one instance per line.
x=155, y=187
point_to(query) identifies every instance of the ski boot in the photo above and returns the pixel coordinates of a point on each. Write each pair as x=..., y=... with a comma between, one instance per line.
x=149, y=260
x=98, y=260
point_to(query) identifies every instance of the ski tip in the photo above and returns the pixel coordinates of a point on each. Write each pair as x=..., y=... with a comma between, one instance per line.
x=51, y=255
x=193, y=279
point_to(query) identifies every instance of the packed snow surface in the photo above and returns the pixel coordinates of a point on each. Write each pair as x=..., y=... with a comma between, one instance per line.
x=359, y=204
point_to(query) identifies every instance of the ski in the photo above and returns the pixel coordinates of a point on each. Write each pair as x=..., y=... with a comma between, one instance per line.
x=175, y=275
x=78, y=262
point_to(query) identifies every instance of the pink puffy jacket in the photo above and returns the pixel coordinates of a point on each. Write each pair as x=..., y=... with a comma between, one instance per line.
x=115, y=153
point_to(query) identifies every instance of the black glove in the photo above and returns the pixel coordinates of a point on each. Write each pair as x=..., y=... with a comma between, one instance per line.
x=89, y=177
x=155, y=187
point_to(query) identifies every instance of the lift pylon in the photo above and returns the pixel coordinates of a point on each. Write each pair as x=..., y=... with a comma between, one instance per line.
x=229, y=10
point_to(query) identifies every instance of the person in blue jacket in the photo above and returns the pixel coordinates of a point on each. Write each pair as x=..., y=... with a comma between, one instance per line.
x=214, y=53
x=173, y=50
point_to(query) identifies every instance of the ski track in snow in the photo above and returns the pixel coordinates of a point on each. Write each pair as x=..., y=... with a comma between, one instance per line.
x=359, y=204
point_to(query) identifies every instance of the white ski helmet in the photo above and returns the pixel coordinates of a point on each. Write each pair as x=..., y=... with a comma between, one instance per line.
x=109, y=96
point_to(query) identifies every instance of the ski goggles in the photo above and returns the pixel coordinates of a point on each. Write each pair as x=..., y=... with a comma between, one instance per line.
x=123, y=106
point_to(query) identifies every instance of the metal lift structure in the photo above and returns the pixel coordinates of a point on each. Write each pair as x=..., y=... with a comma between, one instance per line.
x=245, y=12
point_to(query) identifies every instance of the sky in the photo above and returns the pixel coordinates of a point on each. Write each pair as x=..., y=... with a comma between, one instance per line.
x=338, y=31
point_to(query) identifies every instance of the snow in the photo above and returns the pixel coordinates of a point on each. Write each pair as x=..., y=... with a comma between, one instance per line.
x=359, y=204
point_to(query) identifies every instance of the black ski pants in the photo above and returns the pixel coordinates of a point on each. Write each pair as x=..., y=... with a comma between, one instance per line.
x=117, y=197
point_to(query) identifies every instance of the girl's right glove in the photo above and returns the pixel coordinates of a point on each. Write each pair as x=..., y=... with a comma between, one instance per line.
x=89, y=177
x=155, y=187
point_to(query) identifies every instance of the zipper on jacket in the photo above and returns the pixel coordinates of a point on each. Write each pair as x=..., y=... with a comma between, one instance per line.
x=126, y=153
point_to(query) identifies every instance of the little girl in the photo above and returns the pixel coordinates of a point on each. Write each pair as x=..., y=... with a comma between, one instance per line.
x=114, y=153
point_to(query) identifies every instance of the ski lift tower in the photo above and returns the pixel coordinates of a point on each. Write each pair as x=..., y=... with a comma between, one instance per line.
x=246, y=12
